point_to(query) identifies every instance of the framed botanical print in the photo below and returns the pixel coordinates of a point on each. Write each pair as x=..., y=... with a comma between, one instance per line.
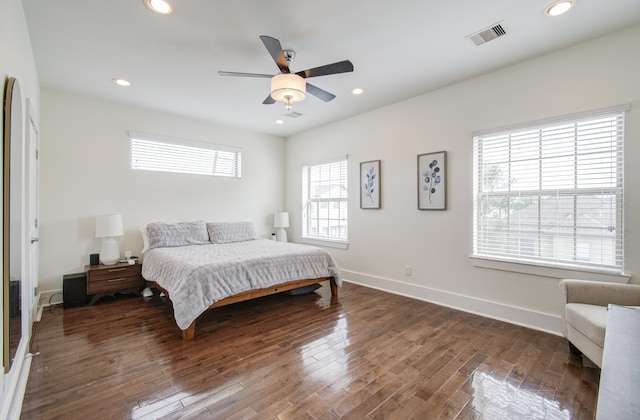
x=370, y=184
x=432, y=181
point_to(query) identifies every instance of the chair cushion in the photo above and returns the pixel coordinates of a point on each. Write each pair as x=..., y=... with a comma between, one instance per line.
x=590, y=320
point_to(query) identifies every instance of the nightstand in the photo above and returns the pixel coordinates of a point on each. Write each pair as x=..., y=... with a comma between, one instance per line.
x=103, y=279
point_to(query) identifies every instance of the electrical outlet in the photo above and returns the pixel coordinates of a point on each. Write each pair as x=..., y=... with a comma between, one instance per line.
x=407, y=270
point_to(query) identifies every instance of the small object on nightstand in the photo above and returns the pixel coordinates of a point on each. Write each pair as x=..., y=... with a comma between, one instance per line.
x=147, y=292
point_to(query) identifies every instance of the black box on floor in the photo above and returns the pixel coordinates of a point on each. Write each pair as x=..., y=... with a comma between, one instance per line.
x=74, y=290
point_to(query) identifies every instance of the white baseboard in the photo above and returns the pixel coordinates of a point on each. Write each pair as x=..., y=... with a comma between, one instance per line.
x=16, y=402
x=515, y=315
x=15, y=382
x=48, y=298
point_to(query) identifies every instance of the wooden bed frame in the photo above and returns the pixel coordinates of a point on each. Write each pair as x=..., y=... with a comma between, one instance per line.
x=189, y=333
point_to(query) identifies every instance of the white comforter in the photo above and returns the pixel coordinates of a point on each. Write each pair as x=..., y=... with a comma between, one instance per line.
x=198, y=275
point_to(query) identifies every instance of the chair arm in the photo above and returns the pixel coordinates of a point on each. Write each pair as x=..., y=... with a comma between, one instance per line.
x=599, y=292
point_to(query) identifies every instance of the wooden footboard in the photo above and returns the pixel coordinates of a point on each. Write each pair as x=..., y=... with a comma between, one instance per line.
x=189, y=333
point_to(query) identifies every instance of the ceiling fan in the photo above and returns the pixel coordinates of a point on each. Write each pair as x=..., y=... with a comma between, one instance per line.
x=287, y=87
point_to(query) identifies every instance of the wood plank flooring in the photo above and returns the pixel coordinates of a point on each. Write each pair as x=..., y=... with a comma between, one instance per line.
x=373, y=355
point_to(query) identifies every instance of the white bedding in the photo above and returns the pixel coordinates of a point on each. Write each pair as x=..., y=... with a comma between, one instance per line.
x=198, y=275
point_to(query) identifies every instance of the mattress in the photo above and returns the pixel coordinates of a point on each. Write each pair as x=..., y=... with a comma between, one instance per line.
x=197, y=276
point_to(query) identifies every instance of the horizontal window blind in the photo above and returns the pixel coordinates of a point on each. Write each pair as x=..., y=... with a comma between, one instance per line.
x=325, y=194
x=552, y=194
x=167, y=156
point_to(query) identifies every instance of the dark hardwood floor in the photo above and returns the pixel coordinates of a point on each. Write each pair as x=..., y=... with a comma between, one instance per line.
x=372, y=355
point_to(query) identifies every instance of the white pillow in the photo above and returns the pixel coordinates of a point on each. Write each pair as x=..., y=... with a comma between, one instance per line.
x=164, y=235
x=225, y=232
x=145, y=239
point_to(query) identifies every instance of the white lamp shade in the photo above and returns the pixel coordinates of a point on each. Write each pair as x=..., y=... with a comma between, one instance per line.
x=281, y=220
x=288, y=88
x=109, y=225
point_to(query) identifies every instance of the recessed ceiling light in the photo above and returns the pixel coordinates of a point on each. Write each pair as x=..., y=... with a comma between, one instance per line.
x=121, y=82
x=357, y=91
x=159, y=6
x=279, y=121
x=559, y=7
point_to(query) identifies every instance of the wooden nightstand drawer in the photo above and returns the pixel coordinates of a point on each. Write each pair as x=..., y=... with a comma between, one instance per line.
x=114, y=284
x=114, y=271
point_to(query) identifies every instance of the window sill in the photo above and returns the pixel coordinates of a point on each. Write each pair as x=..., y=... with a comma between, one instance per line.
x=325, y=242
x=546, y=271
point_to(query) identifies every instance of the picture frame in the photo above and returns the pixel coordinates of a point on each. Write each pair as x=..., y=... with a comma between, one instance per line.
x=432, y=181
x=370, y=193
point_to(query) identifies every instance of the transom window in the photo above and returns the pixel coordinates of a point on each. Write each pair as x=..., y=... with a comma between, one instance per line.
x=151, y=153
x=324, y=195
x=552, y=193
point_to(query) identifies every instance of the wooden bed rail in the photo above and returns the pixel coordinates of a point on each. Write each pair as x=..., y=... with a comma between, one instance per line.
x=189, y=333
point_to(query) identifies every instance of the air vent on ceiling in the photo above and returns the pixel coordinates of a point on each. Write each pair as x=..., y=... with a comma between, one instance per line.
x=293, y=114
x=488, y=34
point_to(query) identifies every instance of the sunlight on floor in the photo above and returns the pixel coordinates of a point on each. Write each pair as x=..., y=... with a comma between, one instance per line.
x=333, y=343
x=497, y=399
x=194, y=401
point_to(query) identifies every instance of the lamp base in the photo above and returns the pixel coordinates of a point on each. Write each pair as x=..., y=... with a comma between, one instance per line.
x=109, y=251
x=281, y=235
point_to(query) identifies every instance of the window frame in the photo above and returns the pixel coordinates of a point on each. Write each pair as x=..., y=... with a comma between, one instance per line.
x=328, y=203
x=537, y=265
x=175, y=146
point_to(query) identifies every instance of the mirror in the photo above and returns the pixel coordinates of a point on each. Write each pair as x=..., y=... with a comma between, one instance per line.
x=12, y=221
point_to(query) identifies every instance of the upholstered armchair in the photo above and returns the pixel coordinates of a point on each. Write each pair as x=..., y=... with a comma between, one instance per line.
x=584, y=312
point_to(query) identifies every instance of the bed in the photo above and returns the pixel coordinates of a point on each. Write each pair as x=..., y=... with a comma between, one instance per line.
x=200, y=266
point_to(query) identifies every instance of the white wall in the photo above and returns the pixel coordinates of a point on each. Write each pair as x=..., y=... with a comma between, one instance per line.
x=437, y=244
x=85, y=171
x=16, y=59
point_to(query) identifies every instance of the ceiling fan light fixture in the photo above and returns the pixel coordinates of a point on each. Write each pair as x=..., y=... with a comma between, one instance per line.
x=288, y=88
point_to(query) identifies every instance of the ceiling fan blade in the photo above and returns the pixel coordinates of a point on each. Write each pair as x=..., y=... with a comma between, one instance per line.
x=275, y=49
x=268, y=100
x=320, y=93
x=339, y=67
x=237, y=74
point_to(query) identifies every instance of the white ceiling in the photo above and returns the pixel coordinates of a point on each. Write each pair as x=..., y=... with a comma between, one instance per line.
x=399, y=49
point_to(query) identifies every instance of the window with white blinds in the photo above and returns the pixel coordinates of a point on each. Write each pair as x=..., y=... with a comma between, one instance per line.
x=324, y=195
x=552, y=194
x=183, y=156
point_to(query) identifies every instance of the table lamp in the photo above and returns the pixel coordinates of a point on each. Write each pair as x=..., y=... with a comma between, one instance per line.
x=281, y=221
x=108, y=226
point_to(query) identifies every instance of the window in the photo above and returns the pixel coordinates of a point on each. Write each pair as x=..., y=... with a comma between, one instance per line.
x=324, y=195
x=552, y=194
x=154, y=153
